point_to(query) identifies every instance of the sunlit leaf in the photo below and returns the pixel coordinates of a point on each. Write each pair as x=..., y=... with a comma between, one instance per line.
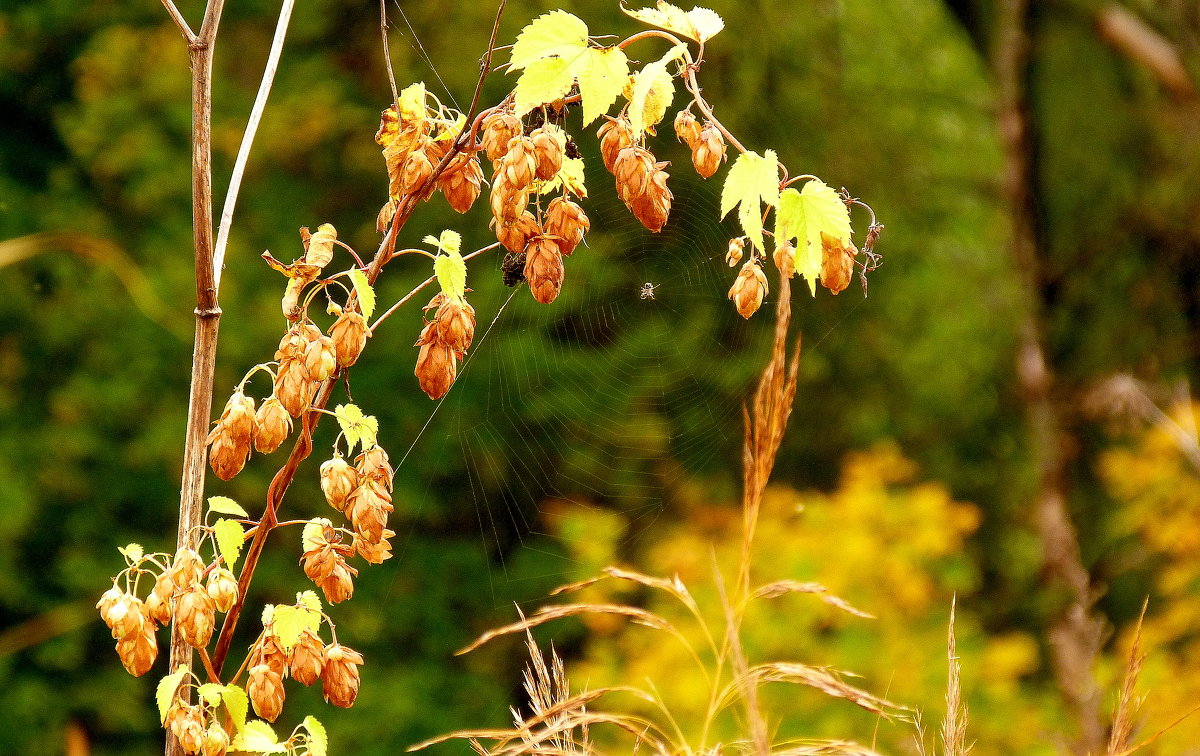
x=318, y=740
x=545, y=80
x=165, y=692
x=229, y=535
x=237, y=703
x=312, y=536
x=699, y=24
x=290, y=621
x=451, y=272
x=225, y=505
x=258, y=737
x=133, y=552
x=310, y=600
x=653, y=90
x=570, y=176
x=356, y=427
x=752, y=179
x=412, y=101
x=210, y=693
x=364, y=292
x=802, y=216
x=554, y=33
x=602, y=74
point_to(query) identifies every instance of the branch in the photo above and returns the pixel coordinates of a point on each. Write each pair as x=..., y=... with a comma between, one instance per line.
x=256, y=113
x=188, y=35
x=1135, y=39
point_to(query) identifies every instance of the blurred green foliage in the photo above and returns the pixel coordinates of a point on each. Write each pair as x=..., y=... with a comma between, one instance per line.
x=599, y=400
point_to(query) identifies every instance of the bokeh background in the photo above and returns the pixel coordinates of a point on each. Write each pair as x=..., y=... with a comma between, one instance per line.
x=605, y=428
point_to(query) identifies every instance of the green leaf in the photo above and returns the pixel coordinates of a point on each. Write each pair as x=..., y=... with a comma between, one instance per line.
x=451, y=272
x=225, y=505
x=258, y=737
x=318, y=740
x=210, y=693
x=165, y=692
x=555, y=33
x=653, y=90
x=752, y=179
x=699, y=24
x=366, y=295
x=544, y=80
x=290, y=621
x=602, y=75
x=237, y=703
x=132, y=552
x=356, y=427
x=802, y=216
x=229, y=534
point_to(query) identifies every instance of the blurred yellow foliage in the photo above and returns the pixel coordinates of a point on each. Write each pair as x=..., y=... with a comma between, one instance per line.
x=1158, y=495
x=889, y=545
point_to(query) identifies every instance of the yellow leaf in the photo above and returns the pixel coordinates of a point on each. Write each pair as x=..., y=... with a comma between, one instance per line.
x=412, y=102
x=237, y=703
x=229, y=535
x=210, y=693
x=356, y=427
x=803, y=215
x=258, y=737
x=699, y=24
x=165, y=693
x=225, y=505
x=602, y=75
x=133, y=552
x=545, y=80
x=309, y=599
x=752, y=179
x=570, y=177
x=366, y=294
x=652, y=92
x=290, y=621
x=451, y=272
x=318, y=741
x=312, y=536
x=554, y=33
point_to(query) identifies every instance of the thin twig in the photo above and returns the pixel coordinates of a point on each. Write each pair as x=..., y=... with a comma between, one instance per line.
x=486, y=66
x=188, y=35
x=422, y=285
x=256, y=113
x=387, y=54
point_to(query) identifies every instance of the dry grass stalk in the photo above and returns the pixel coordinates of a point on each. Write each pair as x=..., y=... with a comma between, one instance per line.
x=549, y=613
x=824, y=679
x=954, y=726
x=746, y=684
x=674, y=587
x=824, y=748
x=783, y=587
x=1128, y=703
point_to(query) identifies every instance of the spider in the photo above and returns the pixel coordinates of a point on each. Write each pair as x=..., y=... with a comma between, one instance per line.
x=647, y=291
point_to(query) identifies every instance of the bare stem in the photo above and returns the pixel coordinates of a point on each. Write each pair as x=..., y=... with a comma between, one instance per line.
x=189, y=36
x=208, y=311
x=256, y=113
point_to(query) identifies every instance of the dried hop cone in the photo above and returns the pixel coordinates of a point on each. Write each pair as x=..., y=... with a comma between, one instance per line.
x=230, y=441
x=615, y=135
x=374, y=552
x=349, y=334
x=158, y=603
x=544, y=268
x=272, y=425
x=338, y=479
x=633, y=169
x=708, y=152
x=567, y=223
x=186, y=569
x=266, y=692
x=138, y=651
x=124, y=613
x=687, y=128
x=734, y=255
x=339, y=679
x=436, y=368
x=216, y=741
x=417, y=168
x=195, y=613
x=307, y=659
x=270, y=651
x=191, y=732
x=837, y=263
x=507, y=201
x=320, y=358
x=455, y=324
x=222, y=588
x=518, y=167
x=460, y=182
x=294, y=386
x=749, y=288
x=373, y=464
x=325, y=563
x=785, y=259
x=368, y=509
x=654, y=206
x=516, y=235
x=549, y=144
x=498, y=130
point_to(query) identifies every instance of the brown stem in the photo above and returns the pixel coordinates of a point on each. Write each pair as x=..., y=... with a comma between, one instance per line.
x=208, y=312
x=1075, y=634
